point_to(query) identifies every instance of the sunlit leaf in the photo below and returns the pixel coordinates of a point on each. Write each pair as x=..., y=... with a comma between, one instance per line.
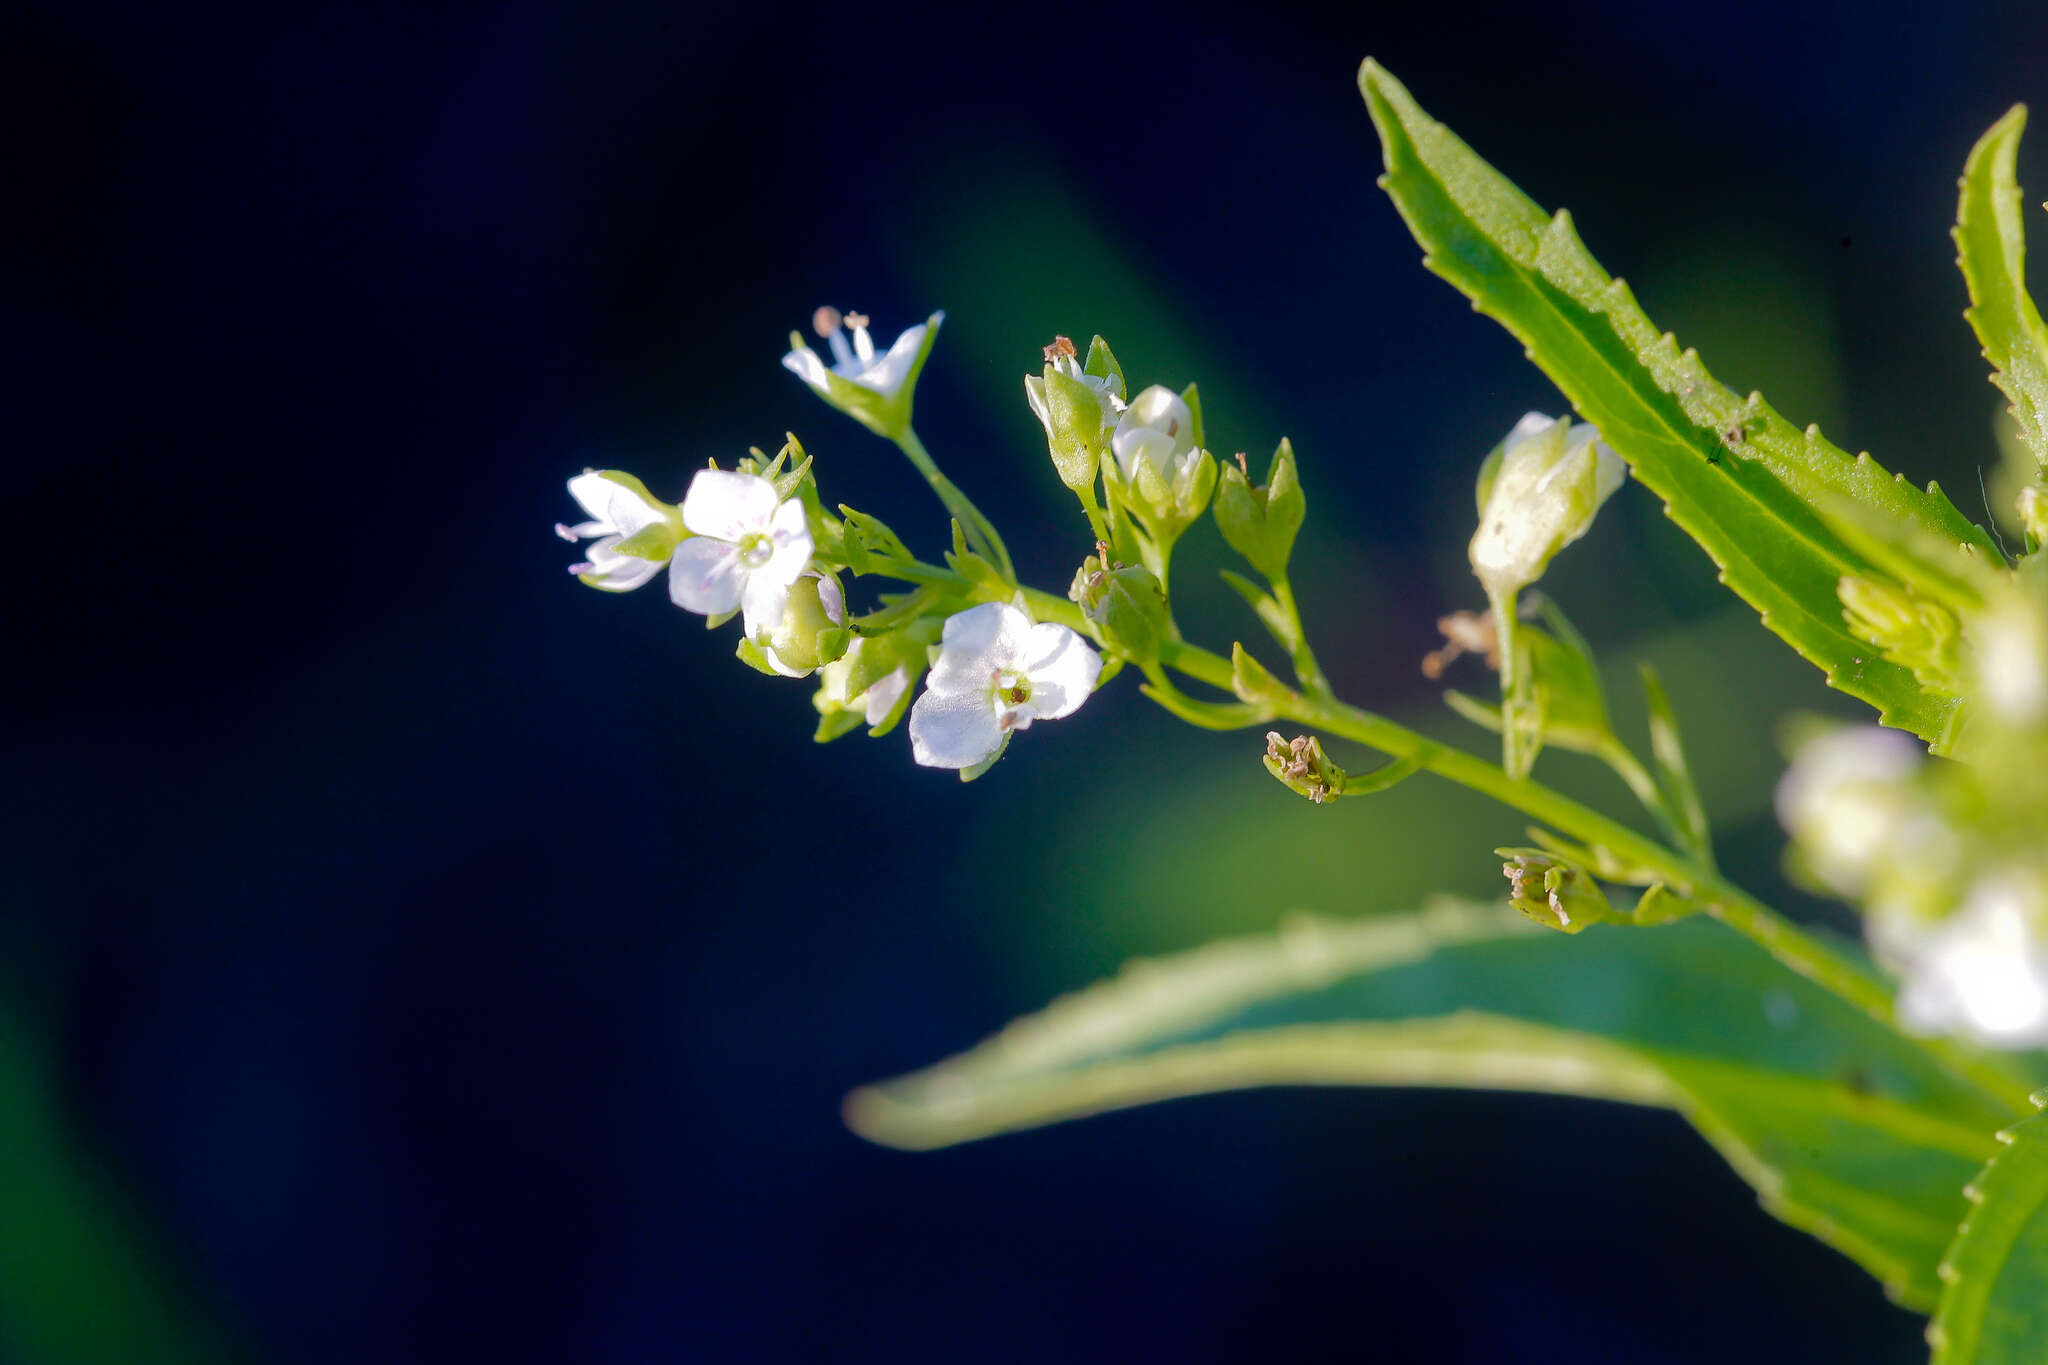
x=1994, y=1305
x=1991, y=247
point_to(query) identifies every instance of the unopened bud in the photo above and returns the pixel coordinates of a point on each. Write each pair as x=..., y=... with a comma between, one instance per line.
x=1909, y=631
x=2033, y=509
x=1538, y=492
x=1554, y=894
x=1261, y=523
x=1125, y=603
x=1301, y=766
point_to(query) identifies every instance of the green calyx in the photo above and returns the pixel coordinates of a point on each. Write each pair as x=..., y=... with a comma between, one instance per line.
x=1260, y=523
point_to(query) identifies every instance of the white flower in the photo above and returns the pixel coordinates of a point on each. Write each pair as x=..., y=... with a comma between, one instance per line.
x=1537, y=494
x=996, y=673
x=747, y=547
x=1106, y=390
x=1983, y=970
x=621, y=510
x=1847, y=799
x=1157, y=429
x=858, y=363
x=877, y=702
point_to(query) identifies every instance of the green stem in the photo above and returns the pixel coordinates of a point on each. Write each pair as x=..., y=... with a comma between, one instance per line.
x=980, y=532
x=1785, y=941
x=1306, y=670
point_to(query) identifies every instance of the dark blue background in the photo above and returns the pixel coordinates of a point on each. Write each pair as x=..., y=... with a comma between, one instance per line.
x=418, y=957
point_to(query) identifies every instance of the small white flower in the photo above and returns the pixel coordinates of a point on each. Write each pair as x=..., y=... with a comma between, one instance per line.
x=746, y=548
x=1538, y=494
x=1107, y=391
x=1981, y=971
x=877, y=701
x=1158, y=428
x=858, y=362
x=620, y=510
x=1846, y=799
x=996, y=673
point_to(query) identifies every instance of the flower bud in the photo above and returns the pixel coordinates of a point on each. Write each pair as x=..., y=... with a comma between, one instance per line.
x=1538, y=492
x=2032, y=506
x=870, y=683
x=1909, y=631
x=1126, y=605
x=812, y=630
x=1261, y=523
x=1078, y=410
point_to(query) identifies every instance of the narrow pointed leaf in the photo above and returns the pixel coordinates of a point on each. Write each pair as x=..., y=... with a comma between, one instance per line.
x=1752, y=489
x=1845, y=1128
x=1994, y=1304
x=1991, y=248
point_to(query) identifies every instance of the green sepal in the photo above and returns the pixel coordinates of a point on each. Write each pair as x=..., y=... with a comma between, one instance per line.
x=1102, y=364
x=1253, y=682
x=833, y=724
x=1991, y=248
x=655, y=541
x=718, y=618
x=1659, y=904
x=1552, y=892
x=896, y=609
x=1261, y=523
x=1126, y=606
x=1002, y=747
x=752, y=656
x=1078, y=424
x=1193, y=399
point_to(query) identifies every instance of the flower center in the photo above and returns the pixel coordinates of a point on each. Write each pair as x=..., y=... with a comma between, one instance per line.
x=1012, y=689
x=756, y=549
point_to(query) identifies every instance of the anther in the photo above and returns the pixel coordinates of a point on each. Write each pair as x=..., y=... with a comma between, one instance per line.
x=1061, y=349
x=825, y=321
x=856, y=320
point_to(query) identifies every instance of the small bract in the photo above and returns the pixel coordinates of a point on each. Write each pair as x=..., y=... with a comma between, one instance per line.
x=997, y=672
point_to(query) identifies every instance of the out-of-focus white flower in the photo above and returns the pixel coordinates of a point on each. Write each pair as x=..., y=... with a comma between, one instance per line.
x=632, y=533
x=1981, y=971
x=1157, y=428
x=1537, y=494
x=996, y=673
x=2012, y=660
x=747, y=547
x=1846, y=798
x=873, y=387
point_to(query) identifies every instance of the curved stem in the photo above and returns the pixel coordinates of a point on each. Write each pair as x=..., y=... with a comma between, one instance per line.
x=980, y=532
x=1306, y=670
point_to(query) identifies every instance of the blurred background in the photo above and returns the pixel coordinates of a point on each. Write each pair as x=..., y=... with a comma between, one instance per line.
x=412, y=955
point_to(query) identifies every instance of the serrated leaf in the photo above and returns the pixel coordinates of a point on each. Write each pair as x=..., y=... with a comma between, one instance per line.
x=1743, y=482
x=1991, y=248
x=1674, y=775
x=1845, y=1128
x=1994, y=1304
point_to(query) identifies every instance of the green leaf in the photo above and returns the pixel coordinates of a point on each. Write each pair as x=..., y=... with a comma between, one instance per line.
x=1753, y=490
x=1991, y=247
x=1994, y=1302
x=1674, y=775
x=1845, y=1128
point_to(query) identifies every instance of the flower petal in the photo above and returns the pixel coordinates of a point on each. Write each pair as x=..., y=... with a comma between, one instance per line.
x=727, y=504
x=1062, y=669
x=805, y=365
x=1532, y=424
x=886, y=374
x=977, y=642
x=880, y=699
x=705, y=576
x=791, y=532
x=613, y=571
x=953, y=730
x=763, y=602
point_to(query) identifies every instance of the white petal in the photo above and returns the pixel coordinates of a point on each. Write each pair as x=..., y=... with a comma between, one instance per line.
x=886, y=374
x=775, y=662
x=727, y=504
x=833, y=600
x=805, y=365
x=705, y=576
x=1532, y=424
x=762, y=602
x=976, y=643
x=953, y=730
x=1034, y=394
x=791, y=532
x=613, y=571
x=592, y=492
x=1062, y=669
x=881, y=697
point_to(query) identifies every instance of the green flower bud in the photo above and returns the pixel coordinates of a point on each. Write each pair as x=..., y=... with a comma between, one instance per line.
x=1261, y=523
x=2032, y=506
x=1126, y=605
x=1538, y=492
x=812, y=630
x=1078, y=410
x=1908, y=630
